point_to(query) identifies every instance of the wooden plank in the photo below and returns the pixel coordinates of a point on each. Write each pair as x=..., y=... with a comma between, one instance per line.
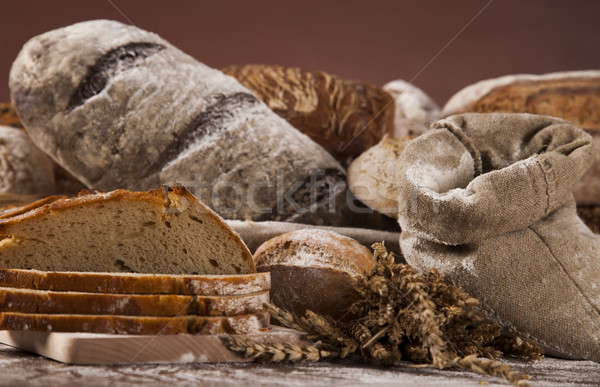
x=105, y=349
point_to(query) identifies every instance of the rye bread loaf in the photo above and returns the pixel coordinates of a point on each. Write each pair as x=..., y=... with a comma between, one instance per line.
x=165, y=231
x=197, y=325
x=313, y=269
x=8, y=116
x=24, y=168
x=120, y=107
x=414, y=110
x=135, y=283
x=573, y=96
x=52, y=302
x=345, y=116
x=373, y=176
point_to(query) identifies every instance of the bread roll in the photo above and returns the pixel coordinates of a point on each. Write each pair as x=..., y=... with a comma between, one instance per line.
x=414, y=110
x=24, y=168
x=119, y=107
x=373, y=176
x=345, y=116
x=313, y=269
x=574, y=96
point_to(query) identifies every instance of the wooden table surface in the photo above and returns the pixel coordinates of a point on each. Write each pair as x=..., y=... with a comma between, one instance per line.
x=22, y=368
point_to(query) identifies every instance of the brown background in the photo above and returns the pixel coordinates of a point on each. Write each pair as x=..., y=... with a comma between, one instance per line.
x=375, y=41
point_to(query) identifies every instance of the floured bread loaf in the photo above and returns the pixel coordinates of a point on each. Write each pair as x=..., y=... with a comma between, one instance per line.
x=159, y=231
x=313, y=269
x=24, y=168
x=120, y=107
x=197, y=325
x=345, y=116
x=414, y=110
x=573, y=96
x=41, y=301
x=373, y=177
x=135, y=283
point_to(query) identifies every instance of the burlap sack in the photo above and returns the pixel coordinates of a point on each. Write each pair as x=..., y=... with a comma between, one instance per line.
x=486, y=199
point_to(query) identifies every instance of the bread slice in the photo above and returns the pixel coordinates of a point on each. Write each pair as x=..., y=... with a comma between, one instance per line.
x=197, y=325
x=41, y=301
x=135, y=283
x=160, y=231
x=313, y=269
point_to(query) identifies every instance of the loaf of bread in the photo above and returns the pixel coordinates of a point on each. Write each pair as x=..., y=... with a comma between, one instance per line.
x=373, y=176
x=414, y=110
x=52, y=302
x=313, y=269
x=119, y=107
x=574, y=96
x=160, y=231
x=8, y=116
x=345, y=116
x=197, y=325
x=24, y=168
x=135, y=283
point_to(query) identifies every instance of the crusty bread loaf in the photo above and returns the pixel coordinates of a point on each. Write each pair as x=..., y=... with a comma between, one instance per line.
x=414, y=110
x=373, y=178
x=345, y=116
x=134, y=283
x=164, y=231
x=8, y=116
x=52, y=302
x=313, y=269
x=197, y=325
x=574, y=96
x=24, y=168
x=120, y=107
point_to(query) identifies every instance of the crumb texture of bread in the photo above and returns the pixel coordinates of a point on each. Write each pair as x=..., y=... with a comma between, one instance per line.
x=41, y=301
x=135, y=283
x=24, y=168
x=159, y=231
x=373, y=177
x=115, y=324
x=313, y=269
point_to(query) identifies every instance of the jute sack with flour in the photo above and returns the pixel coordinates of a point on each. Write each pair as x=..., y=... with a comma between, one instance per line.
x=486, y=199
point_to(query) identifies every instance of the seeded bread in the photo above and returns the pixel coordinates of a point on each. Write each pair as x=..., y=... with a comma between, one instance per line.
x=120, y=107
x=197, y=325
x=414, y=110
x=344, y=116
x=165, y=231
x=313, y=269
x=41, y=301
x=24, y=168
x=373, y=176
x=133, y=283
x=573, y=96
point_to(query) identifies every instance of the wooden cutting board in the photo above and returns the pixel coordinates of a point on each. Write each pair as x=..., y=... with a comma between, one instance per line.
x=106, y=349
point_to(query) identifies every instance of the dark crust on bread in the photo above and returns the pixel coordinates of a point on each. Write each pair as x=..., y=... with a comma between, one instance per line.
x=198, y=325
x=39, y=301
x=9, y=116
x=574, y=99
x=130, y=283
x=160, y=197
x=346, y=117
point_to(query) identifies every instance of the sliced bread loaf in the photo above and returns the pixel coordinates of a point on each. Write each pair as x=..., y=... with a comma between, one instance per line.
x=135, y=283
x=160, y=231
x=41, y=301
x=313, y=269
x=197, y=325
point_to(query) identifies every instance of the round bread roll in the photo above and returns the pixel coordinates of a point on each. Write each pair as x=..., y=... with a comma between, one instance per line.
x=24, y=169
x=120, y=107
x=573, y=96
x=414, y=110
x=373, y=178
x=344, y=116
x=313, y=269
